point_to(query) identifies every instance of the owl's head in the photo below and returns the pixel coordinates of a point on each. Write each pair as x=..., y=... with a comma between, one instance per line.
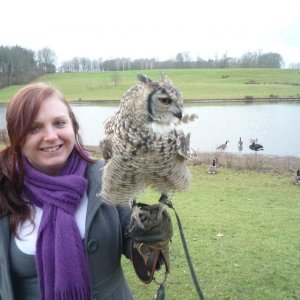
x=163, y=100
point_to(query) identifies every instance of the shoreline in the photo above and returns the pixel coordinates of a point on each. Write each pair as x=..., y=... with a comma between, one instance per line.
x=192, y=101
x=199, y=101
x=216, y=153
x=258, y=162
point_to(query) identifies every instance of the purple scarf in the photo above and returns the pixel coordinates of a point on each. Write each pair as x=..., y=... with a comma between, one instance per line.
x=61, y=263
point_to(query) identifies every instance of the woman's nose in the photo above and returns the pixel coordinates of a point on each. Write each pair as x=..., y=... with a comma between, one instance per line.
x=50, y=135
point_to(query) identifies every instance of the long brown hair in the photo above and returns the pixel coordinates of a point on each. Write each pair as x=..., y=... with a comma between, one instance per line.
x=20, y=114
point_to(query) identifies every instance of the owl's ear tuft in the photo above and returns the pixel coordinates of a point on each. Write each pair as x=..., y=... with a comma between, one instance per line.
x=143, y=78
x=166, y=79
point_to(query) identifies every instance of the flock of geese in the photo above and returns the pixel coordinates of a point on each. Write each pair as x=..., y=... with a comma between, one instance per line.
x=213, y=169
x=253, y=145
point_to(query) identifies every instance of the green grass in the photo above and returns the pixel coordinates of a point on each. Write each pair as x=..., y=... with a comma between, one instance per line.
x=194, y=83
x=242, y=231
x=258, y=255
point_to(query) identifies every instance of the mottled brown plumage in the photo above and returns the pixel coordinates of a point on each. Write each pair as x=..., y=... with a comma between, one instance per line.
x=143, y=145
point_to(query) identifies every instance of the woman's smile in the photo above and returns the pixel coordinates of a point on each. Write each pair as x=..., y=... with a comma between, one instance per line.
x=51, y=149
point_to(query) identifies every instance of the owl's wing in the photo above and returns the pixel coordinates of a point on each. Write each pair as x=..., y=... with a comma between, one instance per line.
x=106, y=145
x=184, y=145
x=110, y=125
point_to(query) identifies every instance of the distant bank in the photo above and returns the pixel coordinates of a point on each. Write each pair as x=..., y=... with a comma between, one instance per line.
x=199, y=101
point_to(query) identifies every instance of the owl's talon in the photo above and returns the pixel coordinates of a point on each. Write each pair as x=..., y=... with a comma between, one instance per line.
x=162, y=208
x=137, y=218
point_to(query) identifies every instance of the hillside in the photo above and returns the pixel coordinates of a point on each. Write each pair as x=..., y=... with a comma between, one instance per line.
x=194, y=83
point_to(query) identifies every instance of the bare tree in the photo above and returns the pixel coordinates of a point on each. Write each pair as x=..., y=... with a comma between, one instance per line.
x=75, y=64
x=85, y=64
x=187, y=56
x=97, y=65
x=46, y=59
x=116, y=78
x=180, y=58
x=17, y=66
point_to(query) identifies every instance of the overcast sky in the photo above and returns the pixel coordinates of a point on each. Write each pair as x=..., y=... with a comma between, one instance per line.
x=153, y=28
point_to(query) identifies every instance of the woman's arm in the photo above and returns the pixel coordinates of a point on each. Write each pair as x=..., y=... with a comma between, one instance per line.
x=125, y=214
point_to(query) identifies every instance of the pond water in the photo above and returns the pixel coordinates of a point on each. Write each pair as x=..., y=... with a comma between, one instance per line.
x=276, y=126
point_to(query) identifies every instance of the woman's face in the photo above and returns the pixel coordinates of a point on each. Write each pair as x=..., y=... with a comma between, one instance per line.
x=51, y=138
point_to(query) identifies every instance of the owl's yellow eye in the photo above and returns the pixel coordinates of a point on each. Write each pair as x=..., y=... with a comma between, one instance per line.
x=165, y=101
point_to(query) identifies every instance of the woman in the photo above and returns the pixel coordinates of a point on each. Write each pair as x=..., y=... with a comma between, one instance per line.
x=58, y=239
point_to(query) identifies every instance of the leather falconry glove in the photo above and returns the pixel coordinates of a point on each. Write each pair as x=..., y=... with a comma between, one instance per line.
x=151, y=232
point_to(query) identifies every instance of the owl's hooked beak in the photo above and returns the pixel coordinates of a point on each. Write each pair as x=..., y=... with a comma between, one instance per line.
x=177, y=111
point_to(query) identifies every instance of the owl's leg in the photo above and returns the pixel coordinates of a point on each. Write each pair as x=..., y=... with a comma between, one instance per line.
x=137, y=217
x=163, y=202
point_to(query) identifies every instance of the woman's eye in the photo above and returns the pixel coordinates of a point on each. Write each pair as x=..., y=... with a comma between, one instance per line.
x=60, y=123
x=34, y=129
x=165, y=101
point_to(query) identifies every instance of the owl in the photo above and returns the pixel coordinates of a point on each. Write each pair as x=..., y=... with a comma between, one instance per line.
x=143, y=145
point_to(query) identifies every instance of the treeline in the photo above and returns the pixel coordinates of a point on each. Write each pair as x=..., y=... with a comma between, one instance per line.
x=182, y=61
x=19, y=65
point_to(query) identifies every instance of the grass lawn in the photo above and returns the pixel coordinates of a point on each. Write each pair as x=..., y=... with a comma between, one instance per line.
x=242, y=230
x=194, y=83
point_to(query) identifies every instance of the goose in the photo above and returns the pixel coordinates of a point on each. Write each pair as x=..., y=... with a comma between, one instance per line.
x=256, y=147
x=296, y=179
x=193, y=153
x=240, y=144
x=223, y=146
x=213, y=168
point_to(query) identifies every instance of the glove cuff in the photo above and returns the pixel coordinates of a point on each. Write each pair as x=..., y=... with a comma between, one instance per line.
x=147, y=259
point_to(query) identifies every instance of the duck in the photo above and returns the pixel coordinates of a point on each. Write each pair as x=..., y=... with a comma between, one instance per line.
x=213, y=168
x=296, y=179
x=240, y=144
x=222, y=147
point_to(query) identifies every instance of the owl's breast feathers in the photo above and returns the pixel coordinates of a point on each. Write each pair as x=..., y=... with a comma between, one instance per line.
x=137, y=139
x=142, y=157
